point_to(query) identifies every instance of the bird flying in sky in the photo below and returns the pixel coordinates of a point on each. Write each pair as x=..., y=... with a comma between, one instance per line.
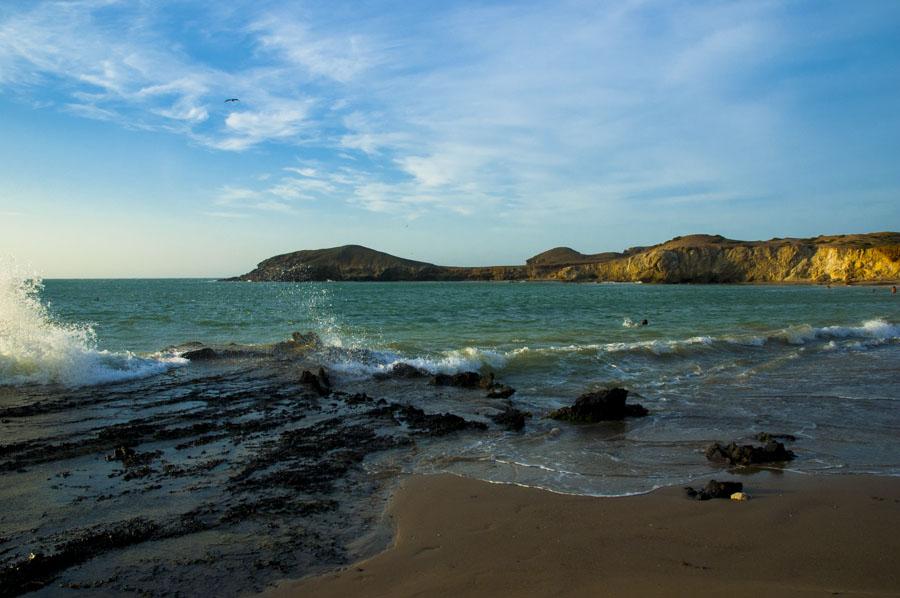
x=232, y=100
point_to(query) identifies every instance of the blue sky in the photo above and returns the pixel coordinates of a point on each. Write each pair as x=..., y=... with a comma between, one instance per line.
x=464, y=133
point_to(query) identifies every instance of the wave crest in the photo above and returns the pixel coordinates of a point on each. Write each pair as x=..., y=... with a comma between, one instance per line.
x=37, y=349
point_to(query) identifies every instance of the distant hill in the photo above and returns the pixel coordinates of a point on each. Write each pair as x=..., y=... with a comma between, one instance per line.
x=873, y=257
x=358, y=263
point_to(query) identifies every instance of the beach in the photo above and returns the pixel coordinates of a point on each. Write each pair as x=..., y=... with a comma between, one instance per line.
x=797, y=536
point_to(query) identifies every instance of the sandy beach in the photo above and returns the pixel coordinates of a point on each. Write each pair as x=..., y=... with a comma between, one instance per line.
x=797, y=536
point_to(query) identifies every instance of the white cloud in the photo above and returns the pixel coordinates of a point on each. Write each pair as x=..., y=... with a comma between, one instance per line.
x=340, y=58
x=307, y=172
x=277, y=123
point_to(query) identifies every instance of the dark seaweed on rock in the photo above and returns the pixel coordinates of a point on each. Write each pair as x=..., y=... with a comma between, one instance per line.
x=601, y=405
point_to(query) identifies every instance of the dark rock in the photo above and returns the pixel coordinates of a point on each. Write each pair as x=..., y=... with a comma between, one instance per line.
x=438, y=424
x=323, y=378
x=598, y=406
x=122, y=453
x=401, y=370
x=357, y=398
x=462, y=379
x=301, y=342
x=306, y=340
x=316, y=382
x=434, y=424
x=511, y=418
x=747, y=454
x=500, y=391
x=131, y=458
x=714, y=489
x=204, y=354
x=487, y=382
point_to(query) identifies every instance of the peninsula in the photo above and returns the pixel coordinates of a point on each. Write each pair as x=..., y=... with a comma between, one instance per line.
x=862, y=258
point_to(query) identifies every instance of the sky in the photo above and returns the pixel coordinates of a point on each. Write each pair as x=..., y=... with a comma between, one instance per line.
x=459, y=133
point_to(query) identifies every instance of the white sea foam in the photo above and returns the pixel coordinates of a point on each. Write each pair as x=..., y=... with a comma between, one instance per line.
x=37, y=349
x=871, y=333
x=367, y=363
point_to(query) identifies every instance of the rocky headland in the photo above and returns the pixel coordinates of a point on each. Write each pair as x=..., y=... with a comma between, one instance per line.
x=864, y=258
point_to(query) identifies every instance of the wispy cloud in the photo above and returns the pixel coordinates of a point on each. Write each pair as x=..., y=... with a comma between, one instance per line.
x=532, y=110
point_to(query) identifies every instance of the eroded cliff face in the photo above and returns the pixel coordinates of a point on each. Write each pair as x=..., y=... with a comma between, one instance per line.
x=786, y=262
x=871, y=257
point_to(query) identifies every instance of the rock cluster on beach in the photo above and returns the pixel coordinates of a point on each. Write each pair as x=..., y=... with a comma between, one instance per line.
x=714, y=489
x=873, y=257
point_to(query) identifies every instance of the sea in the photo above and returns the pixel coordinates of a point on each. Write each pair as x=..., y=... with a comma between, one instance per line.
x=712, y=363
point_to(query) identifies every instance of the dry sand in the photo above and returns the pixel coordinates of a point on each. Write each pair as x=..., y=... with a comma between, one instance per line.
x=797, y=536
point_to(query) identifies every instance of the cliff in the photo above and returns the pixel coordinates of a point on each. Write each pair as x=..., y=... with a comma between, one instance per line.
x=706, y=258
x=871, y=257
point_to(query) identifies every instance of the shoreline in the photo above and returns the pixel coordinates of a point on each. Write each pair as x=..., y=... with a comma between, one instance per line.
x=798, y=535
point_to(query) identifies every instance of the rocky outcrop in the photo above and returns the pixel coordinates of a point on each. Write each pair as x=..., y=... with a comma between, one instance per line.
x=601, y=405
x=871, y=257
x=744, y=455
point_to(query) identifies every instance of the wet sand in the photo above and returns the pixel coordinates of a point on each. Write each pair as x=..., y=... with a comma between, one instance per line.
x=797, y=536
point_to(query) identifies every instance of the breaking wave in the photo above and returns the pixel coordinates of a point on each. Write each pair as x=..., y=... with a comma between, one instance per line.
x=37, y=349
x=364, y=362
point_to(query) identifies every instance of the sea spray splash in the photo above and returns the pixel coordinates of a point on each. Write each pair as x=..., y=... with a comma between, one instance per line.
x=316, y=303
x=36, y=348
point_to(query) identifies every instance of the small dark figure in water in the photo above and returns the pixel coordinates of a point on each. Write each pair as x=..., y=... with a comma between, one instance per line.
x=894, y=290
x=644, y=322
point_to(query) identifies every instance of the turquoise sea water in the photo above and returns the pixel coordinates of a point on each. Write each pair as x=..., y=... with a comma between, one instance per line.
x=715, y=362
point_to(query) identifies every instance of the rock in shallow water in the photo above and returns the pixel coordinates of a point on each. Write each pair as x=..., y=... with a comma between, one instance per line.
x=500, y=391
x=511, y=418
x=203, y=354
x=462, y=379
x=401, y=370
x=602, y=405
x=747, y=454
